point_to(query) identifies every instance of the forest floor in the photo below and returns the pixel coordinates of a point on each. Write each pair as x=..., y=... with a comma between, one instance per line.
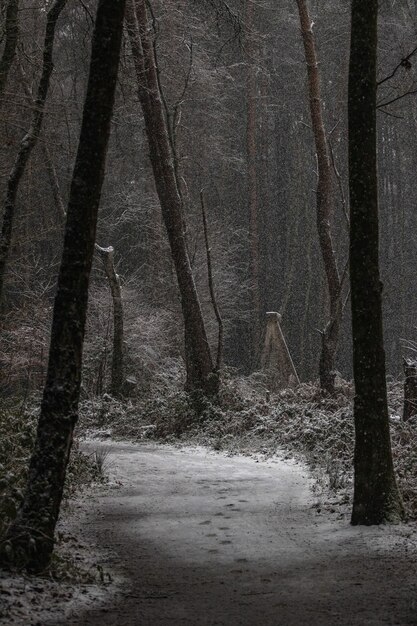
x=200, y=537
x=186, y=530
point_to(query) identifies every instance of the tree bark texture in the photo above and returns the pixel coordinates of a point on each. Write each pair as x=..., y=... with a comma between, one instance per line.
x=199, y=363
x=376, y=498
x=12, y=36
x=30, y=538
x=117, y=367
x=324, y=205
x=29, y=140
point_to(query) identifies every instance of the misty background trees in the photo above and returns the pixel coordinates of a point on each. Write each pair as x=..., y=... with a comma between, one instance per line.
x=225, y=198
x=236, y=98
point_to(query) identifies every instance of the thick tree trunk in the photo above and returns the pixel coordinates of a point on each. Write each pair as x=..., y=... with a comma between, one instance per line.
x=117, y=367
x=199, y=363
x=324, y=207
x=29, y=140
x=12, y=36
x=30, y=539
x=376, y=498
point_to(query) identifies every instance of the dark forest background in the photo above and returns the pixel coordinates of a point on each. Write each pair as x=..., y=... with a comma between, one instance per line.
x=235, y=87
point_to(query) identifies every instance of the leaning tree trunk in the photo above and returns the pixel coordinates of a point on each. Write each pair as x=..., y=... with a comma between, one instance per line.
x=201, y=373
x=10, y=45
x=376, y=498
x=29, y=140
x=117, y=366
x=324, y=206
x=30, y=539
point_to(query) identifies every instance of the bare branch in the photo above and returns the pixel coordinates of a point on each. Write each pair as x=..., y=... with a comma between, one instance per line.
x=53, y=177
x=404, y=63
x=396, y=99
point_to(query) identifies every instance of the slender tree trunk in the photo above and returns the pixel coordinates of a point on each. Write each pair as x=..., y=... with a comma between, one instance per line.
x=324, y=207
x=54, y=182
x=252, y=178
x=199, y=363
x=52, y=175
x=220, y=350
x=376, y=498
x=117, y=368
x=30, y=539
x=12, y=36
x=29, y=140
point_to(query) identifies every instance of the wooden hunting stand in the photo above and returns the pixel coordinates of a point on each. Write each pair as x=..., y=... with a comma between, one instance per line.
x=276, y=359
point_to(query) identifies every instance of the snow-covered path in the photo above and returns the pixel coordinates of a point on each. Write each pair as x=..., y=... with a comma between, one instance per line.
x=208, y=539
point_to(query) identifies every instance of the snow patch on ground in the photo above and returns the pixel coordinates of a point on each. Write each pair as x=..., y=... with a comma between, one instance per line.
x=193, y=536
x=205, y=538
x=85, y=577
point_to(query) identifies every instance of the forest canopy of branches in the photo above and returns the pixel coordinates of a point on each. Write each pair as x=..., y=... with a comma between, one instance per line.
x=215, y=71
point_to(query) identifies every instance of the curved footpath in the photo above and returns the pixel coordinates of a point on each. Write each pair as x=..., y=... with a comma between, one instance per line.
x=203, y=538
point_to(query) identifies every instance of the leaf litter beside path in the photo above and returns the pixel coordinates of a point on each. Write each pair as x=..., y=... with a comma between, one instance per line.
x=76, y=579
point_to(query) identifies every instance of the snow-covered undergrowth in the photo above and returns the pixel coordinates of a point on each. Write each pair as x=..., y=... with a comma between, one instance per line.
x=17, y=435
x=251, y=420
x=75, y=574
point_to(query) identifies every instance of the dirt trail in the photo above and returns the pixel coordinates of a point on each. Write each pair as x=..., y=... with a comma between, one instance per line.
x=208, y=539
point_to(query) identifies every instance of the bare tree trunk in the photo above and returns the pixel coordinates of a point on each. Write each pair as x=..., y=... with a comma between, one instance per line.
x=325, y=209
x=29, y=140
x=199, y=363
x=30, y=538
x=219, y=358
x=53, y=177
x=12, y=36
x=376, y=498
x=252, y=177
x=55, y=186
x=117, y=368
